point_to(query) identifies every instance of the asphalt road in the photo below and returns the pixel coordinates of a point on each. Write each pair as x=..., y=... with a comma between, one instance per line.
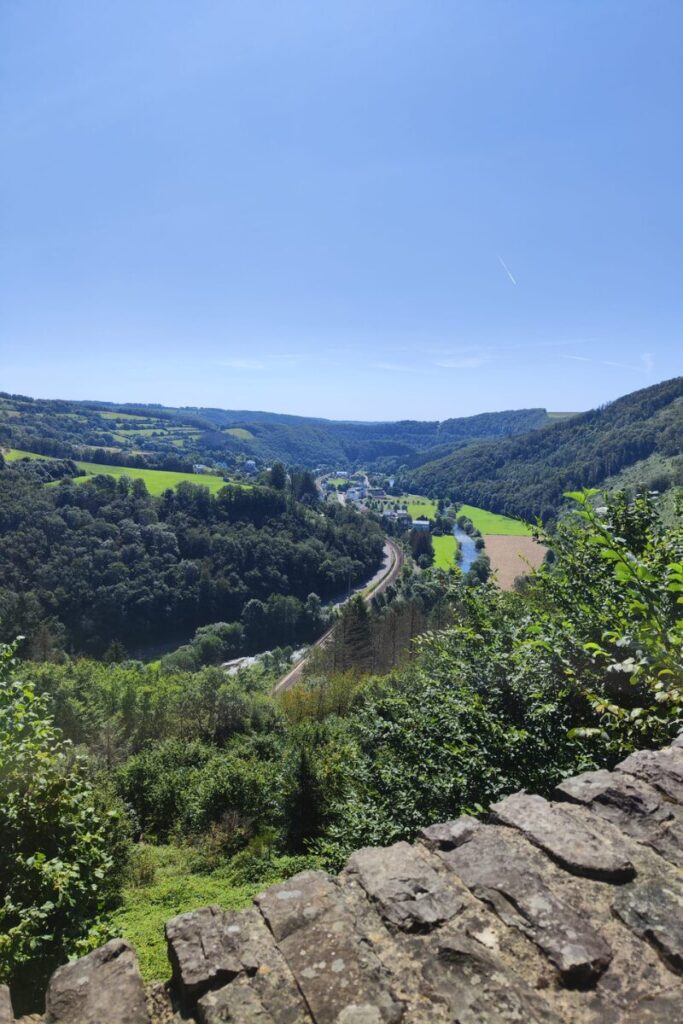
x=379, y=582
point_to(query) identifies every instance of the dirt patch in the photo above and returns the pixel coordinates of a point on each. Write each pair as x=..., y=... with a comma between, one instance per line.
x=512, y=557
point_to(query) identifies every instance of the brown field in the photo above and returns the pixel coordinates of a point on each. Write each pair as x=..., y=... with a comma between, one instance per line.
x=512, y=556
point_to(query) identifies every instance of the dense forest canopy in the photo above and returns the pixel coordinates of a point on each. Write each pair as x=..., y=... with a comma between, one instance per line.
x=527, y=475
x=86, y=564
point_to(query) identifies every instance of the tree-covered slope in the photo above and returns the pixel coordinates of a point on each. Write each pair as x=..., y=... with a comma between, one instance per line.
x=527, y=475
x=174, y=439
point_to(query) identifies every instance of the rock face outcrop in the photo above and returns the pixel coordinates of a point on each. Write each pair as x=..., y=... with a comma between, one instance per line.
x=567, y=911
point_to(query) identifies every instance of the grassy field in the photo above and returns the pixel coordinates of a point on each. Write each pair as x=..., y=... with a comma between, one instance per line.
x=444, y=551
x=174, y=889
x=12, y=454
x=491, y=522
x=157, y=480
x=240, y=432
x=418, y=507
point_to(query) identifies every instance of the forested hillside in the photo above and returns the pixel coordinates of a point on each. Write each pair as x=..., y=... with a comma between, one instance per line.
x=176, y=438
x=527, y=475
x=83, y=565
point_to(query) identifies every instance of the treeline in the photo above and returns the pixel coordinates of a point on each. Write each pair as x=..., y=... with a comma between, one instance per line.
x=527, y=475
x=84, y=565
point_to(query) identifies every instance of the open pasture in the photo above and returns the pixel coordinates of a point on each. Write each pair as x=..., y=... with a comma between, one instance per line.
x=493, y=523
x=156, y=480
x=445, y=549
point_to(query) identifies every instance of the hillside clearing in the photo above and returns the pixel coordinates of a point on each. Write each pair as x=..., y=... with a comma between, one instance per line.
x=493, y=523
x=156, y=480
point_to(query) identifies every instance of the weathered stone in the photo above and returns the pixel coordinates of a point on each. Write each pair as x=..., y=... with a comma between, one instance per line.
x=654, y=911
x=663, y=769
x=478, y=989
x=571, y=840
x=297, y=902
x=104, y=986
x=408, y=890
x=664, y=1008
x=6, y=1013
x=634, y=806
x=334, y=969
x=449, y=834
x=270, y=976
x=513, y=878
x=160, y=1004
x=233, y=1004
x=203, y=948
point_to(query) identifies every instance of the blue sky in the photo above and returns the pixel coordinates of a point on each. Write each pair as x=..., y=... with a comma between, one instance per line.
x=349, y=209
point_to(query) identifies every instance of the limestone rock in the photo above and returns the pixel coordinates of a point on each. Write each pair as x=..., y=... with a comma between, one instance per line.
x=663, y=769
x=477, y=988
x=103, y=987
x=234, y=1004
x=513, y=878
x=574, y=842
x=654, y=911
x=335, y=970
x=408, y=890
x=6, y=1014
x=634, y=806
x=203, y=949
x=449, y=834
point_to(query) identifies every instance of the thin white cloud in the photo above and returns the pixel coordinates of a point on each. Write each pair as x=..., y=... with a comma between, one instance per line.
x=242, y=364
x=648, y=362
x=399, y=367
x=465, y=363
x=507, y=270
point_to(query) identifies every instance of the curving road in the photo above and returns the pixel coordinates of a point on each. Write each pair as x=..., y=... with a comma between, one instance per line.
x=391, y=567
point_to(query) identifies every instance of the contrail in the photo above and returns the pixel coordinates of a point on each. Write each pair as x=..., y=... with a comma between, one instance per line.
x=506, y=269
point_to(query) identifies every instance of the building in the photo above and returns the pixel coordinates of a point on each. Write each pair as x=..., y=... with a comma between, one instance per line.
x=420, y=524
x=250, y=466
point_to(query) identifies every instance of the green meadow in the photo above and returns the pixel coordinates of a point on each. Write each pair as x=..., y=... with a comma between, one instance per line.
x=157, y=480
x=491, y=522
x=444, y=551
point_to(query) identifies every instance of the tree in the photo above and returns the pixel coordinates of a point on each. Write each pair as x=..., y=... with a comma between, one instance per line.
x=278, y=476
x=64, y=843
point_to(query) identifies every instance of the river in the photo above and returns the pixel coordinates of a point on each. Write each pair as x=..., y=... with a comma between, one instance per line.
x=468, y=550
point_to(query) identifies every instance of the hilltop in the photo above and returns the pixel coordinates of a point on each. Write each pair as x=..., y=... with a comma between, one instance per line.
x=527, y=475
x=174, y=439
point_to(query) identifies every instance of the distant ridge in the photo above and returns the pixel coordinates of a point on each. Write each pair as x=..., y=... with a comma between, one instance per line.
x=527, y=475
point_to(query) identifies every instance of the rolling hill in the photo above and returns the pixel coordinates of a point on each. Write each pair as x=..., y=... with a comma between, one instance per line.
x=527, y=475
x=173, y=439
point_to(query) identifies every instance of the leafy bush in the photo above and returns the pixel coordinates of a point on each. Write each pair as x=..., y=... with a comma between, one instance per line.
x=64, y=841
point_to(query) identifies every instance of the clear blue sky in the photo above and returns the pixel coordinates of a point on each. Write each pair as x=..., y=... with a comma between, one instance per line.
x=347, y=208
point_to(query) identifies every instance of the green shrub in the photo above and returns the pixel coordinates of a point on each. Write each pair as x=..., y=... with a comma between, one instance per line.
x=64, y=842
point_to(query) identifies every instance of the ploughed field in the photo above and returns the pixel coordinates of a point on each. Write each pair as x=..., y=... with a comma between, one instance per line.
x=512, y=557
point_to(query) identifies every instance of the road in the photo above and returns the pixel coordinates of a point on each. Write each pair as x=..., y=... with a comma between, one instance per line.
x=391, y=567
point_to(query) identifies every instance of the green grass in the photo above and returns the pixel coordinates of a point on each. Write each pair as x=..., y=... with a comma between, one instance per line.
x=120, y=416
x=444, y=551
x=175, y=890
x=157, y=480
x=491, y=522
x=418, y=507
x=335, y=481
x=241, y=433
x=16, y=453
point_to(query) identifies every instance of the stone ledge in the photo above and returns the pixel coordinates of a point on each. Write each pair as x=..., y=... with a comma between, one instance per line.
x=567, y=911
